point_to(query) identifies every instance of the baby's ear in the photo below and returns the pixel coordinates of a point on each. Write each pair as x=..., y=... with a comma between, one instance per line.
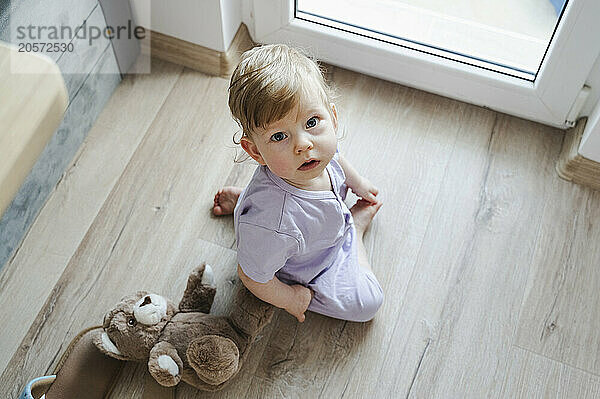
x=252, y=150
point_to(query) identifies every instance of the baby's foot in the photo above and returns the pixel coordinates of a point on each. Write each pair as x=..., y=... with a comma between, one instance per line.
x=226, y=199
x=362, y=213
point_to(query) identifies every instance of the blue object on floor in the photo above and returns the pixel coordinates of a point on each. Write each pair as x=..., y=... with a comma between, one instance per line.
x=38, y=382
x=558, y=5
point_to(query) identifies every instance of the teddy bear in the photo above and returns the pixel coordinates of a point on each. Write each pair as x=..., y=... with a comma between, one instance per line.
x=185, y=342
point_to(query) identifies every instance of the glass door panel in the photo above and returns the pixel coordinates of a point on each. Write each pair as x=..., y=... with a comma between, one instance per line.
x=509, y=36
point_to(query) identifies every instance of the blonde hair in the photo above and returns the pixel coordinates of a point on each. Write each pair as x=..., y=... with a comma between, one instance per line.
x=269, y=82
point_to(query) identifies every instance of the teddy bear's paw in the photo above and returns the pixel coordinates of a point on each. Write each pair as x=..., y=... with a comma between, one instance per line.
x=165, y=365
x=165, y=371
x=215, y=358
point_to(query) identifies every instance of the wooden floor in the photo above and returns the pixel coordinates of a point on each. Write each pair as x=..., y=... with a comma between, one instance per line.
x=488, y=260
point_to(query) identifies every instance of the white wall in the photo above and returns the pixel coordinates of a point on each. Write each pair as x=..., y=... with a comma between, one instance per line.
x=208, y=23
x=231, y=14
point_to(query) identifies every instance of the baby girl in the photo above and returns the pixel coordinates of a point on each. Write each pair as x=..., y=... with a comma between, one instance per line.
x=299, y=247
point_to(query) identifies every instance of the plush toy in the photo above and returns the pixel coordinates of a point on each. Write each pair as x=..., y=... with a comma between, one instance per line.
x=185, y=342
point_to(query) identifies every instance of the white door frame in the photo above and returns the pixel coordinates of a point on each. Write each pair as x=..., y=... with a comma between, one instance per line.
x=548, y=100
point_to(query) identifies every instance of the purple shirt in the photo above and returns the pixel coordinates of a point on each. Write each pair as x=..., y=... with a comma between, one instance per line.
x=297, y=235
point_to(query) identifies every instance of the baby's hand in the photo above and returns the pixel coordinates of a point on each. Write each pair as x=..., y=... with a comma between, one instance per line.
x=299, y=302
x=366, y=190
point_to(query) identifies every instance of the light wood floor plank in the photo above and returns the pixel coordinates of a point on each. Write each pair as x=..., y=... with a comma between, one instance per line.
x=468, y=355
x=220, y=229
x=440, y=264
x=71, y=208
x=300, y=356
x=531, y=376
x=559, y=318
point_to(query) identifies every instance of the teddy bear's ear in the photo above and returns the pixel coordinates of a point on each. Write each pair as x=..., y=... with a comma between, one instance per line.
x=106, y=346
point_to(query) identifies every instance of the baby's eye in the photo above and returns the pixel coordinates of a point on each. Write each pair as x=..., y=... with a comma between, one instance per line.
x=278, y=136
x=312, y=122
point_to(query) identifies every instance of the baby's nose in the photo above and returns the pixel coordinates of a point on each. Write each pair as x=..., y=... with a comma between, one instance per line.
x=303, y=145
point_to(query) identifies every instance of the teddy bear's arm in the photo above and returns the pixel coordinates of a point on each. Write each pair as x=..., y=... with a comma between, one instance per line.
x=165, y=365
x=200, y=291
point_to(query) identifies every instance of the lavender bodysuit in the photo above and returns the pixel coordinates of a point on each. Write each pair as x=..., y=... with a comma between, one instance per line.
x=305, y=237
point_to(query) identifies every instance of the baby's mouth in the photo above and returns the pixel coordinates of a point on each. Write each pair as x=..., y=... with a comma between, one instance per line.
x=313, y=163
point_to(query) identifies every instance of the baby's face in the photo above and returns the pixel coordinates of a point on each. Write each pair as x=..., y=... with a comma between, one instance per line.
x=307, y=133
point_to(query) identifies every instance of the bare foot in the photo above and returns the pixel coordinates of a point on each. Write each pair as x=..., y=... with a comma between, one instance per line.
x=362, y=213
x=226, y=199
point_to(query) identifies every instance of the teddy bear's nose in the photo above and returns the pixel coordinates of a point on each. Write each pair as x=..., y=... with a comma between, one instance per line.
x=147, y=301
